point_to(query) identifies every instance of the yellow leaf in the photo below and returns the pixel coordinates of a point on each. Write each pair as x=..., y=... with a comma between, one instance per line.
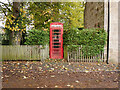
x=32, y=21
x=16, y=26
x=10, y=22
x=24, y=11
x=21, y=9
x=24, y=15
x=31, y=16
x=13, y=28
x=12, y=16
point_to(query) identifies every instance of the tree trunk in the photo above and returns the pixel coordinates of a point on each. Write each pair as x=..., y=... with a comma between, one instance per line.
x=15, y=36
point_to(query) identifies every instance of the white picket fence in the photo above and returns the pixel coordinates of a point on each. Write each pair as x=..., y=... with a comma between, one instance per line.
x=25, y=52
x=77, y=56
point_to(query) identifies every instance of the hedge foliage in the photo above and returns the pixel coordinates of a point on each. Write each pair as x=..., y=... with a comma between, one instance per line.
x=92, y=40
x=37, y=37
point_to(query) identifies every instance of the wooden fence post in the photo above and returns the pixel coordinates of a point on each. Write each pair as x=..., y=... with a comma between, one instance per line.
x=65, y=52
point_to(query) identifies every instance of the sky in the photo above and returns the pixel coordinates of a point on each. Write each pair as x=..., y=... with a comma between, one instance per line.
x=5, y=1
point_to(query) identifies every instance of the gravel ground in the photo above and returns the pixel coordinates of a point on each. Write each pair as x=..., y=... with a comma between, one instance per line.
x=59, y=74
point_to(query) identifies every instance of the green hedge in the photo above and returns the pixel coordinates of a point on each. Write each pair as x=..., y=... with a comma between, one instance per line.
x=37, y=37
x=92, y=40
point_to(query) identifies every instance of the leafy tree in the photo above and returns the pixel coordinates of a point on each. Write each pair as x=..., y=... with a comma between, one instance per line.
x=69, y=13
x=15, y=21
x=72, y=13
x=41, y=14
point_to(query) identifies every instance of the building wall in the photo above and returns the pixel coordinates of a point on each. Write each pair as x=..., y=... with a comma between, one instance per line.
x=119, y=32
x=113, y=39
x=94, y=15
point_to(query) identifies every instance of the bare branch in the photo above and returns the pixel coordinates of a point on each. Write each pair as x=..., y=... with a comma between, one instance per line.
x=5, y=14
x=9, y=2
x=6, y=6
x=3, y=11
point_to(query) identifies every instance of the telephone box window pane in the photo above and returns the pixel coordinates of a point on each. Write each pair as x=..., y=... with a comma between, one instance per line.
x=56, y=40
x=56, y=33
x=56, y=30
x=56, y=43
x=56, y=37
x=56, y=46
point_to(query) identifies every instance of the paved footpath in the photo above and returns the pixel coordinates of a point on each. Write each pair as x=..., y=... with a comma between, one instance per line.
x=51, y=74
x=61, y=66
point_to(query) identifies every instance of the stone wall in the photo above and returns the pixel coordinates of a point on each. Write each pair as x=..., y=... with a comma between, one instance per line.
x=94, y=15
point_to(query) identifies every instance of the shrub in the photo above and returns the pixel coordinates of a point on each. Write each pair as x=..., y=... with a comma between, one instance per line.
x=37, y=37
x=70, y=37
x=92, y=40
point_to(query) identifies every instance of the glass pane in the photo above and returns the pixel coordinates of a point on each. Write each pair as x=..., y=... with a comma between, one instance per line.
x=56, y=43
x=56, y=33
x=56, y=37
x=56, y=30
x=56, y=46
x=56, y=40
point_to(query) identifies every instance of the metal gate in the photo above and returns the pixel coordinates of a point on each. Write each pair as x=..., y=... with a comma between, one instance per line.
x=77, y=56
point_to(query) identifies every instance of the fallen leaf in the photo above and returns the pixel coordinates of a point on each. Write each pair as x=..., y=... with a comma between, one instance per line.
x=30, y=67
x=4, y=67
x=115, y=80
x=99, y=69
x=52, y=68
x=45, y=85
x=52, y=75
x=77, y=81
x=6, y=76
x=97, y=80
x=68, y=85
x=86, y=71
x=1, y=77
x=24, y=77
x=71, y=86
x=21, y=71
x=40, y=68
x=56, y=86
x=112, y=72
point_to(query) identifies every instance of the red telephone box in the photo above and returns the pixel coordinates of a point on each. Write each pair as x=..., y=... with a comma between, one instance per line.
x=56, y=40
